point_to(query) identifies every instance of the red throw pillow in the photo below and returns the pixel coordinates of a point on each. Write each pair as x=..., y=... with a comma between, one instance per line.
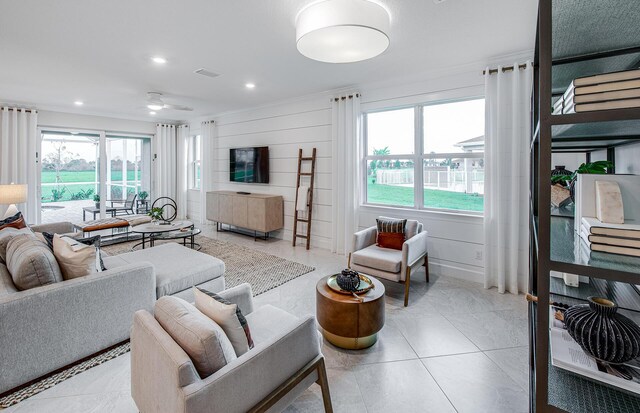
x=392, y=240
x=15, y=221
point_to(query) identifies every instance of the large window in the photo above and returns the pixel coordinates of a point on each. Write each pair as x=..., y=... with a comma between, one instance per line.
x=427, y=156
x=194, y=150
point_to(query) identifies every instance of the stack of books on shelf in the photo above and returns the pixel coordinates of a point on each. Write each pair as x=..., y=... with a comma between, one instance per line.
x=617, y=90
x=621, y=239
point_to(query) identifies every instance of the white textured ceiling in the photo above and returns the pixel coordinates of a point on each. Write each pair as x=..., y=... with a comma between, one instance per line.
x=55, y=52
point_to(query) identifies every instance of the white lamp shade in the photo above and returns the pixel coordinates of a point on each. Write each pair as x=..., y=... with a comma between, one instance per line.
x=342, y=31
x=13, y=194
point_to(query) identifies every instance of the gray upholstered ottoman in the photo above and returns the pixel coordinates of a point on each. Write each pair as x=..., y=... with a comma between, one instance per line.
x=177, y=269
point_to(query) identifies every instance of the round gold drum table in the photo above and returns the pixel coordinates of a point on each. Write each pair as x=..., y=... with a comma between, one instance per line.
x=347, y=321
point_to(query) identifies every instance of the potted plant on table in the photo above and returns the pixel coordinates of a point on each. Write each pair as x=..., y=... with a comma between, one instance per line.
x=143, y=195
x=156, y=215
x=96, y=199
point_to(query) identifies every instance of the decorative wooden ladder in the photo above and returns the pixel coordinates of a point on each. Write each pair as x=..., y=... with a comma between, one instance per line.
x=307, y=220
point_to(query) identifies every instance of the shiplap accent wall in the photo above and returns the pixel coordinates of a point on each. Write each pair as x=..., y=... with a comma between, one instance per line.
x=284, y=128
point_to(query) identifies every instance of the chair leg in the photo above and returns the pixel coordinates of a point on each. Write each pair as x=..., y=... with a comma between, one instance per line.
x=426, y=266
x=349, y=261
x=324, y=385
x=407, y=283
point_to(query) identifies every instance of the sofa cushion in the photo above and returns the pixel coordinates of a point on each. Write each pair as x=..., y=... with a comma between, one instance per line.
x=384, y=259
x=6, y=235
x=228, y=316
x=6, y=283
x=169, y=261
x=200, y=337
x=31, y=263
x=391, y=232
x=269, y=321
x=75, y=259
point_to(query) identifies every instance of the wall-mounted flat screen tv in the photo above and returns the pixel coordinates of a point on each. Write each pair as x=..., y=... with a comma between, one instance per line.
x=249, y=165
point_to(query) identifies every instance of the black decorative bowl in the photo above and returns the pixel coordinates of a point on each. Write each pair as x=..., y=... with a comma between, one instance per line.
x=348, y=280
x=603, y=333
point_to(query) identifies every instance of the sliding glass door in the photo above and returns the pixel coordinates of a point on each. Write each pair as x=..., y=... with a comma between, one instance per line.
x=72, y=176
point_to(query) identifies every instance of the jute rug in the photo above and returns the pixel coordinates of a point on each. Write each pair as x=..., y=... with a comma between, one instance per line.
x=263, y=271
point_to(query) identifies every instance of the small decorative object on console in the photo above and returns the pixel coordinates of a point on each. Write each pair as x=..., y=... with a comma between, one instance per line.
x=603, y=333
x=348, y=280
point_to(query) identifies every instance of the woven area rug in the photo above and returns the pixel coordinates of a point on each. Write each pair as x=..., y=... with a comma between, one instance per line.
x=263, y=271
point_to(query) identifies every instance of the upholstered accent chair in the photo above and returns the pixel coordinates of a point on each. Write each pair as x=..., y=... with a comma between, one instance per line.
x=285, y=361
x=391, y=264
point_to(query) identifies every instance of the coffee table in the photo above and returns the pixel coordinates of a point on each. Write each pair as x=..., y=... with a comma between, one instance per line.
x=150, y=231
x=346, y=321
x=184, y=234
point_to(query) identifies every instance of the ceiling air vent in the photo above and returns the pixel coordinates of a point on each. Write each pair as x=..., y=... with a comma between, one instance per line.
x=204, y=72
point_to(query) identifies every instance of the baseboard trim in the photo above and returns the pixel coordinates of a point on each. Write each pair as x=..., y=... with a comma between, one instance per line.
x=449, y=269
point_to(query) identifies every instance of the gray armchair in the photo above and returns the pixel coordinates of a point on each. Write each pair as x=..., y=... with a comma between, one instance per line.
x=390, y=264
x=285, y=361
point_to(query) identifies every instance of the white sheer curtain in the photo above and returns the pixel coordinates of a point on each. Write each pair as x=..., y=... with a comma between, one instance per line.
x=18, y=161
x=182, y=169
x=346, y=128
x=506, y=186
x=208, y=158
x=164, y=159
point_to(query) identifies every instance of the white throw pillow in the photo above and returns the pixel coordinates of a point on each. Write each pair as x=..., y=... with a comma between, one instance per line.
x=75, y=259
x=226, y=315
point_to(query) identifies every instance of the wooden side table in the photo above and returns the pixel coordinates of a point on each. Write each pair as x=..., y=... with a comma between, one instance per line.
x=347, y=322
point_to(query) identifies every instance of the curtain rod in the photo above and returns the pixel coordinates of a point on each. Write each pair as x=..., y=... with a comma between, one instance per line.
x=24, y=110
x=505, y=69
x=345, y=97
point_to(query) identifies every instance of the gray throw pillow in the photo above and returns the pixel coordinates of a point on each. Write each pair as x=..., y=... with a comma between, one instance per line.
x=31, y=263
x=5, y=236
x=199, y=336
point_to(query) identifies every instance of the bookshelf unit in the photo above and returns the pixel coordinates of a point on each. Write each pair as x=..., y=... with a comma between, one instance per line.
x=577, y=38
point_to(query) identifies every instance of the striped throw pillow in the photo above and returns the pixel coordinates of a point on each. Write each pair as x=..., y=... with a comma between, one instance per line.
x=391, y=232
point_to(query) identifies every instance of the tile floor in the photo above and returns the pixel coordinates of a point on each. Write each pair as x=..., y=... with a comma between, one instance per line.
x=457, y=347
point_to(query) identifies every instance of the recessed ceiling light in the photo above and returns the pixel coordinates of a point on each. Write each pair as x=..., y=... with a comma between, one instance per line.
x=159, y=60
x=152, y=113
x=153, y=106
x=250, y=85
x=78, y=103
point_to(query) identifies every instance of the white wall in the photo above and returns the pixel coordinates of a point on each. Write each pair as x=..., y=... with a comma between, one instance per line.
x=627, y=159
x=284, y=128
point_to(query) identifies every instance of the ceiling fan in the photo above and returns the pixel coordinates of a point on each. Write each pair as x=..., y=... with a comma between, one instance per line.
x=154, y=102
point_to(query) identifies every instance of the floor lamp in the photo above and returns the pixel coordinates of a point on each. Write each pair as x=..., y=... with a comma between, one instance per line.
x=11, y=195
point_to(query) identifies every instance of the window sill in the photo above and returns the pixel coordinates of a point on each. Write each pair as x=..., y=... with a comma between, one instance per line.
x=444, y=213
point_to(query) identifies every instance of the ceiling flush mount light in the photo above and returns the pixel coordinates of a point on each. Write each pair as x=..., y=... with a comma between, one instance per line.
x=342, y=31
x=152, y=113
x=78, y=103
x=159, y=60
x=250, y=85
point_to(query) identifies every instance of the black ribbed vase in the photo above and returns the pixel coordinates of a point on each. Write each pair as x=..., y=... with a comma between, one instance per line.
x=602, y=332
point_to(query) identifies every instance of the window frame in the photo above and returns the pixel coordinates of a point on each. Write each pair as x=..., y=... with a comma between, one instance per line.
x=194, y=162
x=418, y=157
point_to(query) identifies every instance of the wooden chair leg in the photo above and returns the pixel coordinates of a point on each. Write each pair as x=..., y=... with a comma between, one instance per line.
x=407, y=283
x=349, y=261
x=324, y=385
x=426, y=266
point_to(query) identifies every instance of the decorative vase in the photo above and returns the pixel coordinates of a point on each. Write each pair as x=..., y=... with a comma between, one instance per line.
x=348, y=280
x=97, y=205
x=155, y=221
x=603, y=333
x=561, y=170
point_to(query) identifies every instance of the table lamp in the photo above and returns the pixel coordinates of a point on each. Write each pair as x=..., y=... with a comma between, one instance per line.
x=11, y=195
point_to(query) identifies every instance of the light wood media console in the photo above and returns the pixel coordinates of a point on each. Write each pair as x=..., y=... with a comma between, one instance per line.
x=254, y=212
